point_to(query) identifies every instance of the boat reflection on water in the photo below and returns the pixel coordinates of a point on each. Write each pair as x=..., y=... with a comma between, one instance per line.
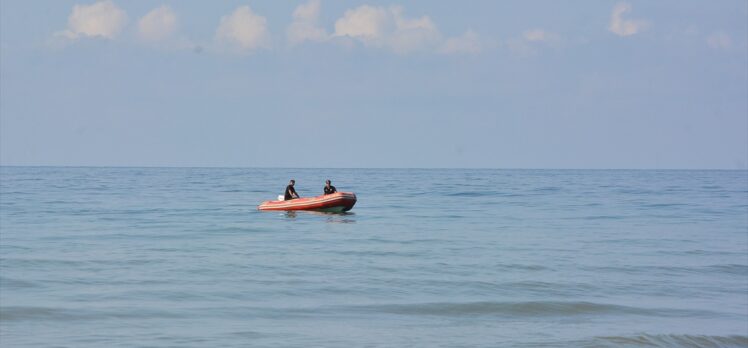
x=339, y=218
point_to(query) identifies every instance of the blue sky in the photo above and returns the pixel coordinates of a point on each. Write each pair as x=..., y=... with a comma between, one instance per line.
x=497, y=84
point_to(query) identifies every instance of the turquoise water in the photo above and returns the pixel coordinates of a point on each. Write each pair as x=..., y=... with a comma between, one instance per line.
x=127, y=257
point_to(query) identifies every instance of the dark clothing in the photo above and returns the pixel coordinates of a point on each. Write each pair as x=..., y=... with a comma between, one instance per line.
x=329, y=190
x=290, y=193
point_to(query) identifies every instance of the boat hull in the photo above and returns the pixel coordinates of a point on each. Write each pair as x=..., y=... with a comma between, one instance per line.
x=335, y=203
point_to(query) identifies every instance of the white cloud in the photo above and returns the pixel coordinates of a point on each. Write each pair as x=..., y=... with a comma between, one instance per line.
x=102, y=19
x=540, y=35
x=157, y=25
x=244, y=29
x=413, y=34
x=388, y=27
x=467, y=43
x=719, y=40
x=305, y=24
x=366, y=23
x=531, y=41
x=625, y=27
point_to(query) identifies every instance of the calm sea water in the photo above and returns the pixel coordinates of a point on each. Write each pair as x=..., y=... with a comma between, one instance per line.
x=127, y=257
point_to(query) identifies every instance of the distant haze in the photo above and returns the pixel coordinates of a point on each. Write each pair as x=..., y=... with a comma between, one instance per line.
x=497, y=84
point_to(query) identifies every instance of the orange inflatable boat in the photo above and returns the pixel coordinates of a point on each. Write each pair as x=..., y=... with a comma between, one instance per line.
x=337, y=202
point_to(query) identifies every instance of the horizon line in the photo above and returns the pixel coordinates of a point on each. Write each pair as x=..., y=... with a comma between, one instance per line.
x=400, y=168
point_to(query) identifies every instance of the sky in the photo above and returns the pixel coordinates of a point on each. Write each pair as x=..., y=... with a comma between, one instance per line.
x=417, y=84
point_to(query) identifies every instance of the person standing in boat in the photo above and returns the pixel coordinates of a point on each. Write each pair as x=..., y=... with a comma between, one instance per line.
x=290, y=191
x=329, y=189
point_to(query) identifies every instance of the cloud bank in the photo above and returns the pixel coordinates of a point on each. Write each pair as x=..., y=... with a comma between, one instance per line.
x=376, y=27
x=245, y=31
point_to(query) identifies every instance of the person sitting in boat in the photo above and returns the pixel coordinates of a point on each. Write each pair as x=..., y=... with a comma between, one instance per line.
x=329, y=189
x=290, y=191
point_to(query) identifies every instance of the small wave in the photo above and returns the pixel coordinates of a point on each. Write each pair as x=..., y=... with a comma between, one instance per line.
x=11, y=283
x=521, y=267
x=526, y=309
x=736, y=269
x=695, y=341
x=248, y=334
x=452, y=216
x=471, y=194
x=23, y=262
x=633, y=191
x=547, y=189
x=603, y=217
x=662, y=205
x=374, y=253
x=22, y=313
x=402, y=242
x=226, y=230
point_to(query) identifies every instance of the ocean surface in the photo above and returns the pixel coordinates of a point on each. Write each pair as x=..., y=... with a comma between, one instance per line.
x=180, y=257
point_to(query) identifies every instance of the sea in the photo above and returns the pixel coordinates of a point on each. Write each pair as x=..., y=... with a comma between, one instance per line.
x=181, y=257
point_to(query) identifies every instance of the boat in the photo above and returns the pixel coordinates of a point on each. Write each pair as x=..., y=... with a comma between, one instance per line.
x=337, y=202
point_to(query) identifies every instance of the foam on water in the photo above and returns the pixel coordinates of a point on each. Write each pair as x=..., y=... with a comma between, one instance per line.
x=93, y=257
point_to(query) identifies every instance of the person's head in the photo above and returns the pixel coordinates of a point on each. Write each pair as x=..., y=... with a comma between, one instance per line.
x=327, y=182
x=292, y=182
